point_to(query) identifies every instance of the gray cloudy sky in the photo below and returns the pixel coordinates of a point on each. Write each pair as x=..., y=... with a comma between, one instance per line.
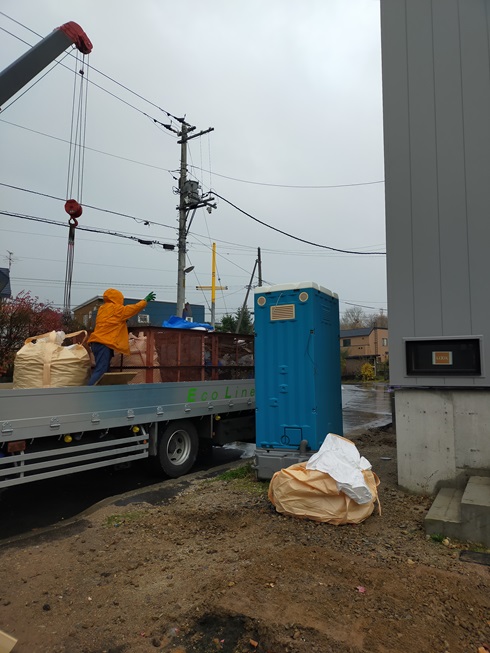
x=293, y=91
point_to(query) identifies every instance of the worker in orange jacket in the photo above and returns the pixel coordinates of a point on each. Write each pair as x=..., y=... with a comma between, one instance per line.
x=111, y=332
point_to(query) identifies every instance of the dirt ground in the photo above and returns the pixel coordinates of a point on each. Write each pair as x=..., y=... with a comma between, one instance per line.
x=216, y=568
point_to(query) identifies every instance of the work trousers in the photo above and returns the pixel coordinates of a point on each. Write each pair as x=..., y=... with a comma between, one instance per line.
x=102, y=354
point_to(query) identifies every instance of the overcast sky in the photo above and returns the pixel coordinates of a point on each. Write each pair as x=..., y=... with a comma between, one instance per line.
x=293, y=92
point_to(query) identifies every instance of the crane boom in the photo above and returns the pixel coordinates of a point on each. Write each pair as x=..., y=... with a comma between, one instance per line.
x=26, y=67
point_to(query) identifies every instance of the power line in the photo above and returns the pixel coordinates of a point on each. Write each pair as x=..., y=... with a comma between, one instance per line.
x=150, y=165
x=114, y=81
x=263, y=183
x=302, y=240
x=90, y=206
x=106, y=232
x=250, y=247
x=35, y=82
x=85, y=147
x=374, y=308
x=117, y=97
x=161, y=224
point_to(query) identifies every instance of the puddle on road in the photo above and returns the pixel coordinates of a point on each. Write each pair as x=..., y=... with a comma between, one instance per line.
x=365, y=406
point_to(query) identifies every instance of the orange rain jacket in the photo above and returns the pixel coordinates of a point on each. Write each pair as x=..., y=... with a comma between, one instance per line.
x=110, y=326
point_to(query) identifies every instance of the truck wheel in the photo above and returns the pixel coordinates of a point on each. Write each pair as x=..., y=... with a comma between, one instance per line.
x=177, y=448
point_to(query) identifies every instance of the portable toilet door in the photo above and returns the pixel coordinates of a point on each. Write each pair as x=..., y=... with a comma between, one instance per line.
x=297, y=373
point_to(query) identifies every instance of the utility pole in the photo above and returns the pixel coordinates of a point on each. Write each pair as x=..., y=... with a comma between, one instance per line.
x=259, y=261
x=182, y=222
x=190, y=199
x=213, y=287
x=237, y=330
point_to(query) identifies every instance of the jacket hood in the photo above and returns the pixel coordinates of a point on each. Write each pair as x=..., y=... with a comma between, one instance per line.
x=114, y=296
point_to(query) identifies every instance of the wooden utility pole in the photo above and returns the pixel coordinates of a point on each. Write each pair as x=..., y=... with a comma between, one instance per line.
x=213, y=287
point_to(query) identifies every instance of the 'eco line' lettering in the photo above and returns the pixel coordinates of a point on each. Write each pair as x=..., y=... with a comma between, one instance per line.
x=229, y=393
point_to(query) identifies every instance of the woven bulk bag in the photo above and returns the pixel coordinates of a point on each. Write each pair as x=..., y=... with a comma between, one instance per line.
x=44, y=363
x=310, y=494
x=138, y=358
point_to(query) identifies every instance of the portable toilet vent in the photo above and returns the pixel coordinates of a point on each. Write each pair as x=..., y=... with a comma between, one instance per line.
x=297, y=373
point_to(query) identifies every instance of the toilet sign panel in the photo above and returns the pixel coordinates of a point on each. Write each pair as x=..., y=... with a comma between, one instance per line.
x=442, y=358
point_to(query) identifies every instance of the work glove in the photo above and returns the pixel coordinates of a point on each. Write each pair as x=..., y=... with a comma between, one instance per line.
x=150, y=297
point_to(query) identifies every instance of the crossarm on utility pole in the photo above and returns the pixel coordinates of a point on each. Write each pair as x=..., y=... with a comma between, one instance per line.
x=26, y=67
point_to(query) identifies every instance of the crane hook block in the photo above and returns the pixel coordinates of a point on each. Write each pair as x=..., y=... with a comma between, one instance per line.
x=73, y=208
x=76, y=34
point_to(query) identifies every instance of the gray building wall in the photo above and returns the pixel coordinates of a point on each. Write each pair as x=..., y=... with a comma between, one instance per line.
x=436, y=96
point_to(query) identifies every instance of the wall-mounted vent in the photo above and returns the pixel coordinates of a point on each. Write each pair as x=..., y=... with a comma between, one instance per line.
x=282, y=312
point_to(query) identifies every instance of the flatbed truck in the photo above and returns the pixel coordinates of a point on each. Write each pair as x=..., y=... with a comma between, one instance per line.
x=48, y=432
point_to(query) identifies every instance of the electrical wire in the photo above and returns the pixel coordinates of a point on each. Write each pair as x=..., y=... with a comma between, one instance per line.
x=302, y=240
x=296, y=186
x=107, y=232
x=90, y=149
x=90, y=206
x=98, y=71
x=181, y=120
x=199, y=284
x=167, y=113
x=245, y=247
x=34, y=83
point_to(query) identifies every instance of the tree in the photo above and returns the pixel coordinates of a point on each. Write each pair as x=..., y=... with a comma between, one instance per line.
x=353, y=318
x=22, y=317
x=229, y=322
x=367, y=372
x=378, y=320
x=344, y=354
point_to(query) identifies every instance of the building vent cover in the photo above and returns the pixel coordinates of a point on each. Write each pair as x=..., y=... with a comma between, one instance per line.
x=283, y=312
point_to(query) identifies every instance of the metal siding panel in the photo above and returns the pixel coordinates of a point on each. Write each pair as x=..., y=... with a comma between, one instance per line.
x=462, y=127
x=423, y=161
x=476, y=107
x=398, y=197
x=455, y=288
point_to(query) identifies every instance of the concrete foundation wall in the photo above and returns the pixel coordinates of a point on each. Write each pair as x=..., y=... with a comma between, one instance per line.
x=442, y=435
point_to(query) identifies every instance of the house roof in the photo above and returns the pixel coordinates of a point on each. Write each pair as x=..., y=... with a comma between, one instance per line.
x=352, y=333
x=100, y=298
x=5, y=290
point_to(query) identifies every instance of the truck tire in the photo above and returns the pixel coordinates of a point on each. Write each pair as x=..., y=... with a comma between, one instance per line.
x=178, y=445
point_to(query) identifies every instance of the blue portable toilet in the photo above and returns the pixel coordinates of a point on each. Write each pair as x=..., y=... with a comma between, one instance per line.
x=297, y=373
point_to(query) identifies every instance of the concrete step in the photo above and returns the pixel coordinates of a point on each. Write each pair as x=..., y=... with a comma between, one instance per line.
x=462, y=514
x=444, y=516
x=475, y=510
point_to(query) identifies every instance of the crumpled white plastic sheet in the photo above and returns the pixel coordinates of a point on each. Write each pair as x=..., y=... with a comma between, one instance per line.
x=340, y=459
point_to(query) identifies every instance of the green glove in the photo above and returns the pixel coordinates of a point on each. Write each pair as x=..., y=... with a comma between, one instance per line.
x=150, y=297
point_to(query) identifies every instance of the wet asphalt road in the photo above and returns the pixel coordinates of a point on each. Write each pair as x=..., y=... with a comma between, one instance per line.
x=26, y=508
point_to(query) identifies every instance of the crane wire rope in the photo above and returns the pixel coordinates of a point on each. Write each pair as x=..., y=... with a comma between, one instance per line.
x=76, y=162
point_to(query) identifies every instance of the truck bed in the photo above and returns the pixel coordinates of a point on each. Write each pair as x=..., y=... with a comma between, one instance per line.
x=41, y=428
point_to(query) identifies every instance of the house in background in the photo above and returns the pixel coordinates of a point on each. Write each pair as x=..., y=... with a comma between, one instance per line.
x=368, y=345
x=5, y=292
x=154, y=314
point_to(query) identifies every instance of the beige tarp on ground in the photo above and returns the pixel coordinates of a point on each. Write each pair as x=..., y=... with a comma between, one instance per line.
x=44, y=363
x=312, y=494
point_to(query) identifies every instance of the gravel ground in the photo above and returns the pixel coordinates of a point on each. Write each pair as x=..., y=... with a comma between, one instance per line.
x=216, y=568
